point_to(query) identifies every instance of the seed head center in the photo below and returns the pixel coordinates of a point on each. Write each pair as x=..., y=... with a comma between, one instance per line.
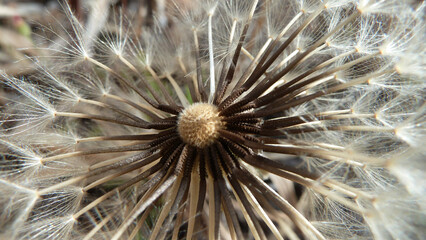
x=199, y=124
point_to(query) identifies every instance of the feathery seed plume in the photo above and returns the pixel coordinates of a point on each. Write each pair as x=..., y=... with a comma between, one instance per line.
x=286, y=119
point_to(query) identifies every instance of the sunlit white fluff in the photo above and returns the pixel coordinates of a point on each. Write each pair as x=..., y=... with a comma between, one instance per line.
x=362, y=134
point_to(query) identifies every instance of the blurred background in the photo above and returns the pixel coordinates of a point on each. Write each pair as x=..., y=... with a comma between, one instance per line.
x=23, y=24
x=29, y=27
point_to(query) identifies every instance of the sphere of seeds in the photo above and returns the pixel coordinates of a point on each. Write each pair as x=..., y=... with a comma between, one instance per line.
x=199, y=124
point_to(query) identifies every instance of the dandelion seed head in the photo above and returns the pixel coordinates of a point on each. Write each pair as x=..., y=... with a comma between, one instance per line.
x=289, y=119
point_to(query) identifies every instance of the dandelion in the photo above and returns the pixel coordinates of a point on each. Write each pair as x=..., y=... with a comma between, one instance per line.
x=205, y=127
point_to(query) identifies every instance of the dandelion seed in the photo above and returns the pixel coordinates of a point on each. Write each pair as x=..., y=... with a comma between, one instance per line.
x=187, y=130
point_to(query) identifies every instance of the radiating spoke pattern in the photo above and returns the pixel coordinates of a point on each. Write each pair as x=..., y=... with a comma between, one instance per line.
x=241, y=119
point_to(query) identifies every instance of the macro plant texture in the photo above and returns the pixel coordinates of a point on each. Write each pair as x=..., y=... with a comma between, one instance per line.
x=283, y=119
